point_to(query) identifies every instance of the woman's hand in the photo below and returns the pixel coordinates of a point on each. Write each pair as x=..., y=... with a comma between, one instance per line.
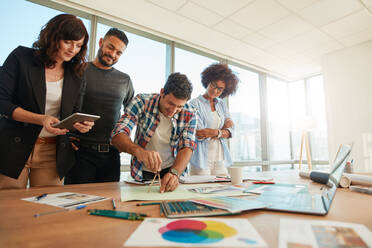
x=206, y=133
x=84, y=127
x=228, y=123
x=48, y=121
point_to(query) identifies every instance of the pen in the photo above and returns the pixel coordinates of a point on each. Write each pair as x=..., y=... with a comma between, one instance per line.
x=113, y=204
x=148, y=203
x=260, y=182
x=59, y=211
x=37, y=198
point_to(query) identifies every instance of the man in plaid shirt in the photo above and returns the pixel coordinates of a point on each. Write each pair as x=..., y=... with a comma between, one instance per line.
x=165, y=135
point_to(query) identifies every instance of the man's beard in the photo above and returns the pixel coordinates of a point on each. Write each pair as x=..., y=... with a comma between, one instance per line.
x=102, y=61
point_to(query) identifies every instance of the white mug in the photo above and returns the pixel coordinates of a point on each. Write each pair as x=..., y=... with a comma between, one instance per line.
x=236, y=174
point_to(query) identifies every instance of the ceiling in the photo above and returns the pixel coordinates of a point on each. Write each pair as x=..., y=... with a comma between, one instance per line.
x=286, y=38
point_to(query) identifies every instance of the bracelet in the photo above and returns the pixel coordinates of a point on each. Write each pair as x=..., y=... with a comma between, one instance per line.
x=219, y=133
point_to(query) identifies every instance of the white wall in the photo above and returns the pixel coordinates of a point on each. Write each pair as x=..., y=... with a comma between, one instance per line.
x=348, y=94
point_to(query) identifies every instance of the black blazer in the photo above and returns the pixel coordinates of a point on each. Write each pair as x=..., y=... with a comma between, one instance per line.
x=22, y=84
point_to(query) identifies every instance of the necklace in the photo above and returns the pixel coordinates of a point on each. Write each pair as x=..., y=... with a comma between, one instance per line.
x=54, y=74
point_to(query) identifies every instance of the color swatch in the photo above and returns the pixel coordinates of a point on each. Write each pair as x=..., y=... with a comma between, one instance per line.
x=195, y=231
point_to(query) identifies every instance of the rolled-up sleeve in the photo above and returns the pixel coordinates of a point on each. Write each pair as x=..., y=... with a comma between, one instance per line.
x=8, y=85
x=227, y=115
x=195, y=104
x=130, y=117
x=187, y=138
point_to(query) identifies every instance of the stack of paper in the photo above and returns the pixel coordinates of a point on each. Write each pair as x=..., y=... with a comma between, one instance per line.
x=231, y=204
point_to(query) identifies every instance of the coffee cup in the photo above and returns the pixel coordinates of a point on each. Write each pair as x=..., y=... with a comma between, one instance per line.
x=236, y=174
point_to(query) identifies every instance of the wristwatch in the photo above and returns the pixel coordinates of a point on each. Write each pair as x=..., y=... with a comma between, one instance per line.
x=174, y=172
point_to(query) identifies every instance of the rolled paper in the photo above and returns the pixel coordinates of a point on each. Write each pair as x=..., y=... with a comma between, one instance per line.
x=345, y=181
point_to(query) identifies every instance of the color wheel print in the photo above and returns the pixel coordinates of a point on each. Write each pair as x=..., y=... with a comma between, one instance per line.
x=193, y=231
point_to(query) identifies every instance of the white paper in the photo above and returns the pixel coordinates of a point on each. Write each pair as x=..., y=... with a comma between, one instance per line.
x=195, y=232
x=199, y=179
x=297, y=233
x=214, y=189
x=277, y=189
x=231, y=204
x=66, y=199
x=132, y=181
x=146, y=193
x=211, y=179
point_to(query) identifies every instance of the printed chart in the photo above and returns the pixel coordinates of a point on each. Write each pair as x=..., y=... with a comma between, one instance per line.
x=196, y=232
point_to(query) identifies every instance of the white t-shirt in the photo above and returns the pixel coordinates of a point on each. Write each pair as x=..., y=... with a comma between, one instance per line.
x=160, y=142
x=215, y=151
x=52, y=103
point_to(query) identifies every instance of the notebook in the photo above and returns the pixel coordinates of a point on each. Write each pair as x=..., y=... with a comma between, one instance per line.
x=304, y=202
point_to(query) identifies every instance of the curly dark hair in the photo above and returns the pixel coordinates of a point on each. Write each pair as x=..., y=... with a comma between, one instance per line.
x=216, y=72
x=118, y=34
x=62, y=27
x=179, y=85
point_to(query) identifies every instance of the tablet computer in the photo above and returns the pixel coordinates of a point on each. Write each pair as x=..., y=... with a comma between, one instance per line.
x=76, y=117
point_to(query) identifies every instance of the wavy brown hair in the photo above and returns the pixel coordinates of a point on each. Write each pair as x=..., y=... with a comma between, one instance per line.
x=218, y=71
x=62, y=27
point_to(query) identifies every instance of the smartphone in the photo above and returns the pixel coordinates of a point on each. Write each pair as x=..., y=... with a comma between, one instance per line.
x=76, y=117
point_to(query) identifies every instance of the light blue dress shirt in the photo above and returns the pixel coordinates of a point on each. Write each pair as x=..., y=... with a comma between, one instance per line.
x=199, y=157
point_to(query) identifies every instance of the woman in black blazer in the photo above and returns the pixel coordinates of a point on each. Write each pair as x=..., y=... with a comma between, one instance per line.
x=39, y=86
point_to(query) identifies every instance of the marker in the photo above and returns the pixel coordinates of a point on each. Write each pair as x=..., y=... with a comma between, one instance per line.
x=59, y=211
x=113, y=204
x=148, y=203
x=263, y=182
x=38, y=198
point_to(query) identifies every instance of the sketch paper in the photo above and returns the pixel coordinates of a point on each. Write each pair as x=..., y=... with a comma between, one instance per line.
x=66, y=199
x=131, y=193
x=202, y=179
x=211, y=179
x=130, y=180
x=231, y=204
x=290, y=189
x=212, y=189
x=195, y=232
x=296, y=233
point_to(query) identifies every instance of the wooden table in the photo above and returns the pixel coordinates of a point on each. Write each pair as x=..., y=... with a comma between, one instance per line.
x=19, y=228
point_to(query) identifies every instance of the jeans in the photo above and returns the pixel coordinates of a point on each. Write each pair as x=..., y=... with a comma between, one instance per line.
x=95, y=167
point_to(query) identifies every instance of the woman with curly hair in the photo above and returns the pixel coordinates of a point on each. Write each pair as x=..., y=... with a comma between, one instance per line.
x=214, y=127
x=38, y=87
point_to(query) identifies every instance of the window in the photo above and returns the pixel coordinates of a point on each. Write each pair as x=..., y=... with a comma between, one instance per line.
x=278, y=117
x=297, y=104
x=143, y=60
x=319, y=142
x=245, y=145
x=192, y=64
x=24, y=21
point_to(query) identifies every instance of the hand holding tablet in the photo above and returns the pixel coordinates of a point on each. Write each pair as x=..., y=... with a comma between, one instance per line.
x=68, y=122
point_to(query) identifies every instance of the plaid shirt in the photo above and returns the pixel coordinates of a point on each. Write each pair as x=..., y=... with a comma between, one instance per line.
x=143, y=112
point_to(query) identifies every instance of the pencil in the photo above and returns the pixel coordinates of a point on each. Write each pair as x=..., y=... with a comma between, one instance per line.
x=153, y=180
x=59, y=211
x=159, y=180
